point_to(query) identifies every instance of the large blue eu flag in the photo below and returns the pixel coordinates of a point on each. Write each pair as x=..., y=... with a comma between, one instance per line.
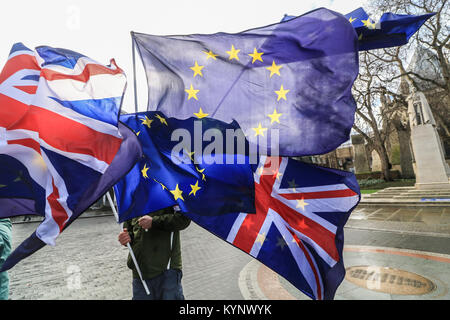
x=200, y=164
x=288, y=85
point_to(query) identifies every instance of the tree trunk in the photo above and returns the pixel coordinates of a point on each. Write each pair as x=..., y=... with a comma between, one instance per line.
x=385, y=164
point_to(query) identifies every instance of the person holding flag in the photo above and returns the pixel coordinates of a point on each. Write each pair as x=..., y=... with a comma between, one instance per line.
x=155, y=240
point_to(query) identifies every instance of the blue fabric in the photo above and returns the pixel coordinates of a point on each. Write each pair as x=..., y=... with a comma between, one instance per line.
x=390, y=31
x=125, y=158
x=314, y=185
x=19, y=47
x=58, y=56
x=147, y=187
x=101, y=109
x=16, y=183
x=317, y=53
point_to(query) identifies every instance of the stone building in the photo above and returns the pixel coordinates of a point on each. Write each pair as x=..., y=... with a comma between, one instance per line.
x=340, y=158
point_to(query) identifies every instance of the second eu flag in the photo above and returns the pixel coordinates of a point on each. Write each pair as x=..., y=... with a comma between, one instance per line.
x=189, y=163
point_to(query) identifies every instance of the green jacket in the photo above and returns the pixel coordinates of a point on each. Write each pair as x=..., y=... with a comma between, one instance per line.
x=5, y=249
x=152, y=248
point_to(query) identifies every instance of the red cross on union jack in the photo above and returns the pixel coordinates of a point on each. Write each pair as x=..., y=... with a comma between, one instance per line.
x=293, y=212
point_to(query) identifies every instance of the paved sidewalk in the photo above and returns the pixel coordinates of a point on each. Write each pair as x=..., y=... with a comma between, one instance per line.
x=88, y=263
x=391, y=253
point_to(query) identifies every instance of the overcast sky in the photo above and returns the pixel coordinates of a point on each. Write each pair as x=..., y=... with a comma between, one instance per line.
x=101, y=29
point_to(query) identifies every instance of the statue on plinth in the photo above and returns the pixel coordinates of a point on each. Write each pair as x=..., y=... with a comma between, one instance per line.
x=432, y=171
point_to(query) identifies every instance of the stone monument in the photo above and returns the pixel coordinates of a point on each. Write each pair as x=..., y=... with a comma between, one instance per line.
x=432, y=172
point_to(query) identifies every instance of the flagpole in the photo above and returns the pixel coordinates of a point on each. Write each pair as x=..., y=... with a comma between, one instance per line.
x=111, y=203
x=134, y=71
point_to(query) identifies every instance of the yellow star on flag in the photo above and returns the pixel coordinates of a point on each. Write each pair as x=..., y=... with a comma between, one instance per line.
x=351, y=19
x=256, y=55
x=277, y=175
x=147, y=122
x=190, y=154
x=201, y=171
x=259, y=130
x=281, y=242
x=281, y=93
x=200, y=114
x=38, y=161
x=274, y=117
x=301, y=203
x=144, y=171
x=261, y=238
x=197, y=69
x=192, y=93
x=177, y=193
x=369, y=24
x=292, y=184
x=137, y=133
x=194, y=188
x=210, y=54
x=274, y=69
x=261, y=171
x=162, y=119
x=233, y=53
x=162, y=186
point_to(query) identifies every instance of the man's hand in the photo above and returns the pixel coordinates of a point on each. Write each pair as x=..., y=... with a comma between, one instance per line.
x=124, y=237
x=145, y=222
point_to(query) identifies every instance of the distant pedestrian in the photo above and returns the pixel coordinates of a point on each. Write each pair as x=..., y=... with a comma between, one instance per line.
x=155, y=240
x=26, y=218
x=5, y=249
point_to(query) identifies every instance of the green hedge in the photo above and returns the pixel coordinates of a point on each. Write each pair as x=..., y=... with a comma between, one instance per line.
x=376, y=184
x=395, y=174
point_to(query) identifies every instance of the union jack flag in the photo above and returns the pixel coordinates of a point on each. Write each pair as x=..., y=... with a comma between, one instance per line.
x=59, y=135
x=297, y=230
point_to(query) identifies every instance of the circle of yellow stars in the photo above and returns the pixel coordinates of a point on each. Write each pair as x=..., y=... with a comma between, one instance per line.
x=275, y=70
x=235, y=54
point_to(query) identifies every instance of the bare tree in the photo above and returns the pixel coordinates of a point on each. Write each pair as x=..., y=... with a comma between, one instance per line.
x=429, y=69
x=385, y=78
x=434, y=35
x=372, y=121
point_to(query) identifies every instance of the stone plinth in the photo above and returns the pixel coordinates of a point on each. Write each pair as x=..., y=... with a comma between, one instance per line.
x=432, y=171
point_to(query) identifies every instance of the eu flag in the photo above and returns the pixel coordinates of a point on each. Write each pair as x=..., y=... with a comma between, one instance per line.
x=390, y=31
x=288, y=85
x=200, y=164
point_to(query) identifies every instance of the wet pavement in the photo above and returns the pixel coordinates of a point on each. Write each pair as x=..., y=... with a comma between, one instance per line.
x=389, y=253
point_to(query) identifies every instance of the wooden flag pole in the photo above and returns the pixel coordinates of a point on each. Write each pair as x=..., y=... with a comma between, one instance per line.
x=111, y=203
